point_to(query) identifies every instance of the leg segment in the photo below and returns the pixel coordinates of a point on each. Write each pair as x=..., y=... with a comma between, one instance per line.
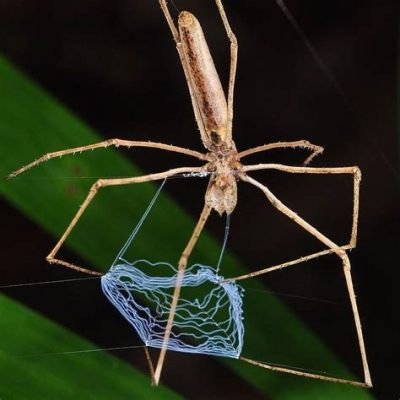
x=150, y=364
x=181, y=270
x=315, y=150
x=93, y=191
x=108, y=143
x=233, y=65
x=167, y=14
x=303, y=374
x=175, y=34
x=284, y=265
x=355, y=171
x=346, y=267
x=353, y=237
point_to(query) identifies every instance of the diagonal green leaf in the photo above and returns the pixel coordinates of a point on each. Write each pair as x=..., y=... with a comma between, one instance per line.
x=34, y=123
x=24, y=332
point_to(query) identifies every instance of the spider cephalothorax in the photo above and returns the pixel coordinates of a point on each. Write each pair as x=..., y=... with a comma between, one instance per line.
x=224, y=166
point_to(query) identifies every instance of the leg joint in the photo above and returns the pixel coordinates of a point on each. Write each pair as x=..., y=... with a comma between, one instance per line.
x=112, y=142
x=97, y=185
x=345, y=258
x=357, y=173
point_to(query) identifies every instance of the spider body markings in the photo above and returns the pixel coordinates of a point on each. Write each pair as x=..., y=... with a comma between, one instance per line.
x=214, y=115
x=225, y=168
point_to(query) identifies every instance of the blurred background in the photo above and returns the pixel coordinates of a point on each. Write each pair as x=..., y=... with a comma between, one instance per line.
x=114, y=65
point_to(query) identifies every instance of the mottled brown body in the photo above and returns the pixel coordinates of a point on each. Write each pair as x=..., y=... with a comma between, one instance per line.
x=211, y=103
x=205, y=83
x=225, y=167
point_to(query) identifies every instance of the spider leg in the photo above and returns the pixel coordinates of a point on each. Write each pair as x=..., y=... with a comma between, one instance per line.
x=303, y=374
x=305, y=144
x=150, y=364
x=93, y=191
x=177, y=39
x=233, y=64
x=338, y=250
x=284, y=265
x=354, y=170
x=181, y=269
x=108, y=143
x=170, y=21
x=51, y=258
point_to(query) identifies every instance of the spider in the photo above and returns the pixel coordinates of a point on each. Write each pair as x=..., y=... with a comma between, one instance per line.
x=223, y=163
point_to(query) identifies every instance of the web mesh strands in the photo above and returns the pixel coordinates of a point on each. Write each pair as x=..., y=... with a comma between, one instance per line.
x=208, y=317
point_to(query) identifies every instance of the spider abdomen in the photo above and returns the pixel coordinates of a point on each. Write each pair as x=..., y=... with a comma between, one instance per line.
x=221, y=195
x=204, y=80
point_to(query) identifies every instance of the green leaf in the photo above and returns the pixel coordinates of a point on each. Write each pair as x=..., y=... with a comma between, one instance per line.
x=90, y=375
x=34, y=123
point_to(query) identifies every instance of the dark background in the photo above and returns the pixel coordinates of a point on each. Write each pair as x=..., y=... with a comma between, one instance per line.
x=114, y=64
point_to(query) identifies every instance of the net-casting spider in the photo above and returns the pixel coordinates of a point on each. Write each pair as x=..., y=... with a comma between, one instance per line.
x=223, y=163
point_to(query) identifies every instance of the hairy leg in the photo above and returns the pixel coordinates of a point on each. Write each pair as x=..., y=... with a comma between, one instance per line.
x=177, y=39
x=354, y=170
x=170, y=21
x=283, y=265
x=303, y=374
x=341, y=253
x=304, y=144
x=181, y=270
x=233, y=64
x=108, y=143
x=51, y=258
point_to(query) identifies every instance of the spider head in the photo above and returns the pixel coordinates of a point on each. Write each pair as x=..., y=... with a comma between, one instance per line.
x=224, y=167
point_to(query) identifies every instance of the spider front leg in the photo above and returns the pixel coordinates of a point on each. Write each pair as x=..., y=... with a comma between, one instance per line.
x=233, y=64
x=108, y=143
x=303, y=144
x=338, y=250
x=51, y=258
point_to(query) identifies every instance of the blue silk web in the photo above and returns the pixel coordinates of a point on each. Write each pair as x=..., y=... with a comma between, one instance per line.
x=208, y=317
